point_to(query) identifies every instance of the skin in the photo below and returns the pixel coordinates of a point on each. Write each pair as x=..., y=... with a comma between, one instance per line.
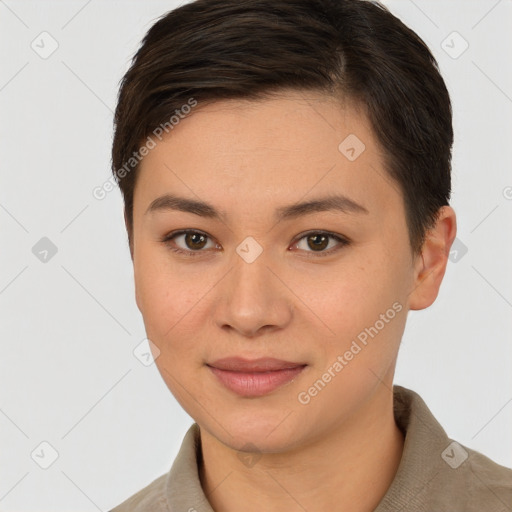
x=247, y=159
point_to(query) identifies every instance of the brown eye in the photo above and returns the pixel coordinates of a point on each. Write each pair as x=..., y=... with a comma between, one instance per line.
x=318, y=241
x=194, y=241
x=189, y=242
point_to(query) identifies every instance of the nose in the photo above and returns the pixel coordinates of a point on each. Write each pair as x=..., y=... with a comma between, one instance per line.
x=252, y=299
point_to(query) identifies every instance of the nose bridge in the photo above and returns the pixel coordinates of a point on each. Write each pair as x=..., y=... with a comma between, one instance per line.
x=252, y=297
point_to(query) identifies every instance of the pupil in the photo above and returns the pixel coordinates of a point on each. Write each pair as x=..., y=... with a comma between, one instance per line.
x=190, y=238
x=317, y=245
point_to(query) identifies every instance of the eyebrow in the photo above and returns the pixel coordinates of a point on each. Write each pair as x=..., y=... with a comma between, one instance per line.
x=336, y=202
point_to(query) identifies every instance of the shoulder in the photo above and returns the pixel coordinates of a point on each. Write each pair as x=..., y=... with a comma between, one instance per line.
x=152, y=497
x=438, y=473
x=487, y=482
x=171, y=491
x=466, y=481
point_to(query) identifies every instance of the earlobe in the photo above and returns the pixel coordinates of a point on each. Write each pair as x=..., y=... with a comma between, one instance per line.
x=431, y=264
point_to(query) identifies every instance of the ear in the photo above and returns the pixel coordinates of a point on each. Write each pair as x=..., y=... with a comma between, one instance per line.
x=430, y=266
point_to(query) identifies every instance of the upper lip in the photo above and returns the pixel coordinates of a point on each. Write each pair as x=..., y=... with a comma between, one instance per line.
x=264, y=364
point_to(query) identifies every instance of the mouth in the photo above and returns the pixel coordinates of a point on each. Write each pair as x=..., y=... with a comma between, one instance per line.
x=254, y=378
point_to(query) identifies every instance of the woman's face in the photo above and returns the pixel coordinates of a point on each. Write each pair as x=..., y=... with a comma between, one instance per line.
x=260, y=276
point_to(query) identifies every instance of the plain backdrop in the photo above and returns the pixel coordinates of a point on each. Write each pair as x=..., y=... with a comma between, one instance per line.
x=69, y=322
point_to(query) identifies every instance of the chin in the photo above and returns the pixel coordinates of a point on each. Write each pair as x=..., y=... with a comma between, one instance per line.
x=267, y=432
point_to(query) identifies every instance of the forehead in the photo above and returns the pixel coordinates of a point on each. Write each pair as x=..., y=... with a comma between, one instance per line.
x=250, y=154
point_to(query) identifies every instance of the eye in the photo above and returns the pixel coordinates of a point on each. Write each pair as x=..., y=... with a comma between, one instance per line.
x=194, y=241
x=318, y=241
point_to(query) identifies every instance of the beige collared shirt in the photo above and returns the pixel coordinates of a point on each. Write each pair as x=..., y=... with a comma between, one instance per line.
x=436, y=474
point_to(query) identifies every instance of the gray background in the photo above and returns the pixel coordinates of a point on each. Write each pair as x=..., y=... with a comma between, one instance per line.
x=69, y=325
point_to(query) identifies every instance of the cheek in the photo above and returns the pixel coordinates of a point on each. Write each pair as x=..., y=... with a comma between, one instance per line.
x=172, y=298
x=170, y=320
x=361, y=300
x=158, y=293
x=343, y=295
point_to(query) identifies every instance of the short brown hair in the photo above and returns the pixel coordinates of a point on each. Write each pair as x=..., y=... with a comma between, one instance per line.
x=221, y=49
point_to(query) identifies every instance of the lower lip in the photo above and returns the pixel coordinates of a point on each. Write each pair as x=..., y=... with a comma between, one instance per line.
x=255, y=384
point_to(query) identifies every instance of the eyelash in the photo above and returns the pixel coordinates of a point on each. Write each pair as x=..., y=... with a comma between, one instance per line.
x=343, y=242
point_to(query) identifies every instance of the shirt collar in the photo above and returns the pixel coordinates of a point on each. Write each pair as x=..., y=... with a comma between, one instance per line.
x=420, y=463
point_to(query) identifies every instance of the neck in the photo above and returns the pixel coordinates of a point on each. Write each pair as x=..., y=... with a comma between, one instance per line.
x=355, y=463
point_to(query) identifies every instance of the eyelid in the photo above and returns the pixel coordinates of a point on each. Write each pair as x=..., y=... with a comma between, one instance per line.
x=342, y=241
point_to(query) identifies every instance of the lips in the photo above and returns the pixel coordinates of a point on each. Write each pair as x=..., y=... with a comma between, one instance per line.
x=256, y=377
x=264, y=364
